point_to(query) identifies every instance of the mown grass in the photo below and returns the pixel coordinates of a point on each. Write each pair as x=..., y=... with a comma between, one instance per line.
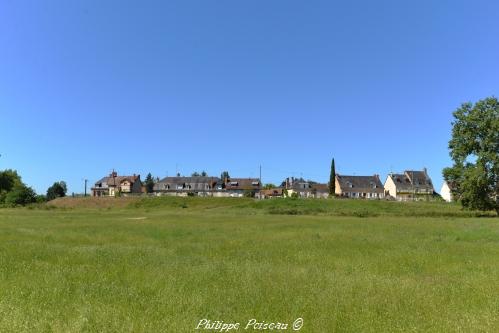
x=161, y=265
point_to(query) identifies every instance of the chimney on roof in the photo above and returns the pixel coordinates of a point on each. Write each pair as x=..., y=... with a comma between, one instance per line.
x=425, y=171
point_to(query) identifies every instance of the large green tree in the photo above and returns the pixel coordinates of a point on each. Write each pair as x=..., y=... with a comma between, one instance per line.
x=332, y=180
x=474, y=149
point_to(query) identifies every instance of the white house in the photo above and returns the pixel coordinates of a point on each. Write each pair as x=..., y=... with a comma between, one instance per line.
x=445, y=192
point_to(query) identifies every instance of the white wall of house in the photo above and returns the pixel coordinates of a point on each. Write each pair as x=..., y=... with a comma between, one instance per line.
x=221, y=194
x=390, y=187
x=445, y=192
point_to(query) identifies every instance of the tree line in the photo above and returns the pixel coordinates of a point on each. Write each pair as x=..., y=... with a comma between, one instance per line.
x=14, y=192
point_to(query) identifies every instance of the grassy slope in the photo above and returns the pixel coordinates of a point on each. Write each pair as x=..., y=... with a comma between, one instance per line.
x=98, y=270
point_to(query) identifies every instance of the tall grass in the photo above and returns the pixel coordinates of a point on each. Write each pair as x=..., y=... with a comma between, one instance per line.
x=331, y=207
x=160, y=267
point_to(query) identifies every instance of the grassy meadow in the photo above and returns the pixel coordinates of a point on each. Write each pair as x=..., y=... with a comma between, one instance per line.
x=163, y=264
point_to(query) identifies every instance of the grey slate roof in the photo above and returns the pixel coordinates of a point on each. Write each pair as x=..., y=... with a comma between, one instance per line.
x=411, y=180
x=187, y=183
x=242, y=184
x=367, y=184
x=321, y=188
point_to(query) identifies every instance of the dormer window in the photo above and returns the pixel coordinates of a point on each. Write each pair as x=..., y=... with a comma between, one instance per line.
x=234, y=183
x=255, y=183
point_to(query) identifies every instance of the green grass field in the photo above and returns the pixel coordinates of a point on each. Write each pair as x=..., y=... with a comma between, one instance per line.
x=163, y=264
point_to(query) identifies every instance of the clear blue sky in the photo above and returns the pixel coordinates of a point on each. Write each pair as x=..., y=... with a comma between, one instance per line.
x=143, y=86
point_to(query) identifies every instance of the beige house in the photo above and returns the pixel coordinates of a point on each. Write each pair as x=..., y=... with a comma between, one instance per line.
x=359, y=187
x=411, y=185
x=114, y=185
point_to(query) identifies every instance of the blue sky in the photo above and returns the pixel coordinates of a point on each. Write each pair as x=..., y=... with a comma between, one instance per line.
x=152, y=86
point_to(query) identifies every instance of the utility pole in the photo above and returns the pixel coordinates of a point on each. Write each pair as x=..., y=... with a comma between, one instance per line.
x=261, y=175
x=86, y=180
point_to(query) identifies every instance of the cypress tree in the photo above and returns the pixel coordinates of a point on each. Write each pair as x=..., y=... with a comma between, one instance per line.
x=332, y=181
x=149, y=181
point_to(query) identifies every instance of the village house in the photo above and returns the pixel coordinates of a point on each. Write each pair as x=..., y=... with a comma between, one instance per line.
x=360, y=187
x=184, y=186
x=297, y=186
x=304, y=188
x=239, y=187
x=320, y=190
x=116, y=185
x=411, y=185
x=446, y=192
x=270, y=193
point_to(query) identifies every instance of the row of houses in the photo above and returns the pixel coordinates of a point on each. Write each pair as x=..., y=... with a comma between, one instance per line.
x=113, y=185
x=410, y=185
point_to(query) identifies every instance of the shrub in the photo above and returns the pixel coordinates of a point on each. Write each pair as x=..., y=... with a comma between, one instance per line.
x=20, y=195
x=248, y=194
x=57, y=190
